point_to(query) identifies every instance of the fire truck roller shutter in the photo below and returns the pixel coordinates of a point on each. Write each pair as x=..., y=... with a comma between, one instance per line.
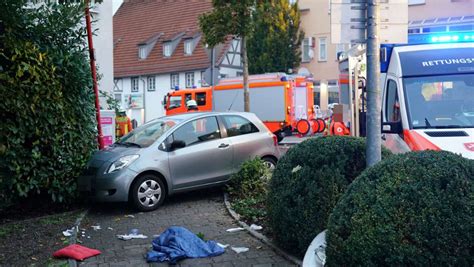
x=268, y=103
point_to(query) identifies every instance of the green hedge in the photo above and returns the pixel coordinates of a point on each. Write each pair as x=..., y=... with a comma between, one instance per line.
x=415, y=209
x=47, y=109
x=307, y=184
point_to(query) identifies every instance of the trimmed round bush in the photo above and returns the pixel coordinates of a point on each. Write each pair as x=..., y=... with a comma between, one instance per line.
x=307, y=184
x=414, y=209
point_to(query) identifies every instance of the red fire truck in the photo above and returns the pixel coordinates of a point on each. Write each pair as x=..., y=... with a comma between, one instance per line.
x=284, y=103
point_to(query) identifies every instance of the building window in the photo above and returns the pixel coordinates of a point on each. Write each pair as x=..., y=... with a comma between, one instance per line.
x=134, y=85
x=322, y=49
x=239, y=74
x=189, y=79
x=167, y=49
x=188, y=47
x=174, y=80
x=142, y=52
x=203, y=79
x=416, y=2
x=151, y=83
x=305, y=50
x=118, y=99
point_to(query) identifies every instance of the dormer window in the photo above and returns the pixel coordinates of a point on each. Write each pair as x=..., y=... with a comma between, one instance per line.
x=167, y=49
x=188, y=47
x=142, y=51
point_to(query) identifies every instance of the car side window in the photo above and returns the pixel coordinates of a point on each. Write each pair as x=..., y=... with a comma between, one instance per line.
x=237, y=125
x=197, y=131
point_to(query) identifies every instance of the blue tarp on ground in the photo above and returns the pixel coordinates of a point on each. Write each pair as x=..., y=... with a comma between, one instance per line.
x=178, y=243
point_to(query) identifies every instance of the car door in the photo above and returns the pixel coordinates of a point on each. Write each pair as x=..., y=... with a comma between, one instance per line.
x=206, y=157
x=244, y=137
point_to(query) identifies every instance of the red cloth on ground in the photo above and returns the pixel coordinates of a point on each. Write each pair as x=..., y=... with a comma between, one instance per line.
x=76, y=252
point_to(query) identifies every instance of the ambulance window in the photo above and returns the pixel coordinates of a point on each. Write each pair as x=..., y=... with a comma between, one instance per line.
x=201, y=99
x=236, y=125
x=392, y=105
x=175, y=102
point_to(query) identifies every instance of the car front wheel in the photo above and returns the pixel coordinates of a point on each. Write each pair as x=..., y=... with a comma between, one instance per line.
x=269, y=162
x=147, y=192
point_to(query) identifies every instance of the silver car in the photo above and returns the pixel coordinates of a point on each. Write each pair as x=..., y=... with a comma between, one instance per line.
x=175, y=154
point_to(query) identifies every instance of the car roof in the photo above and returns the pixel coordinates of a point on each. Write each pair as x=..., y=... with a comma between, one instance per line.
x=190, y=115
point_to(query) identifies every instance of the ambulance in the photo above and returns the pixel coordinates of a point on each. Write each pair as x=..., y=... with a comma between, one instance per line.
x=283, y=102
x=427, y=96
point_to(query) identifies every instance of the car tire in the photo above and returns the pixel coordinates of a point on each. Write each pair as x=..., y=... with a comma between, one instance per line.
x=147, y=192
x=269, y=162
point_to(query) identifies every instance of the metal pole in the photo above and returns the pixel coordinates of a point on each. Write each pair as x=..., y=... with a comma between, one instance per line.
x=373, y=149
x=94, y=74
x=213, y=64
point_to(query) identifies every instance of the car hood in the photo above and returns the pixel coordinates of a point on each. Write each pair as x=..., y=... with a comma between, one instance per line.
x=112, y=153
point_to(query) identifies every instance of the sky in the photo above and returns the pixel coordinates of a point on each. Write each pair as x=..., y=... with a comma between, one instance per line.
x=116, y=4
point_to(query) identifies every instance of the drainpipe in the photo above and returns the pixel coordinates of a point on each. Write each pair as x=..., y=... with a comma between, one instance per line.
x=144, y=100
x=94, y=74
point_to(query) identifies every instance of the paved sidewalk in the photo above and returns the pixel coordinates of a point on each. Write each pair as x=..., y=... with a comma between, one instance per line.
x=201, y=211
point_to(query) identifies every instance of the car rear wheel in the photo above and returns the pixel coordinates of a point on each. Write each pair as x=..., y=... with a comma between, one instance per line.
x=269, y=162
x=147, y=193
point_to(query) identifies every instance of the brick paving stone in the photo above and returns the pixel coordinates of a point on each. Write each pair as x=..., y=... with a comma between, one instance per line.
x=201, y=211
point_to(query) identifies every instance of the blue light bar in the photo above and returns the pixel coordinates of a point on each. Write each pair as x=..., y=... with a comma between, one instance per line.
x=436, y=38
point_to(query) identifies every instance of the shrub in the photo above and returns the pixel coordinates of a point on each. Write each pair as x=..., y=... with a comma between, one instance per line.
x=248, y=188
x=47, y=109
x=250, y=181
x=413, y=209
x=307, y=184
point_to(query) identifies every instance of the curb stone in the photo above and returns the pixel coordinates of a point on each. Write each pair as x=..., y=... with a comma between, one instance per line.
x=258, y=235
x=73, y=238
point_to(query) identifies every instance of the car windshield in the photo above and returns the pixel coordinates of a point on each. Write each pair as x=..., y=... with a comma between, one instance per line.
x=440, y=101
x=147, y=134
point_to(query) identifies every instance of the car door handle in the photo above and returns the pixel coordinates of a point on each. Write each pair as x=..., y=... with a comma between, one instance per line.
x=223, y=145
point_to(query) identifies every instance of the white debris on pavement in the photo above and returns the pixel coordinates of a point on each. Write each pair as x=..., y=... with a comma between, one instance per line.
x=295, y=169
x=68, y=232
x=129, y=216
x=110, y=228
x=255, y=227
x=240, y=249
x=232, y=230
x=96, y=227
x=131, y=236
x=222, y=245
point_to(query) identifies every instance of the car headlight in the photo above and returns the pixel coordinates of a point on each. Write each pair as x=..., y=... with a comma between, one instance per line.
x=122, y=163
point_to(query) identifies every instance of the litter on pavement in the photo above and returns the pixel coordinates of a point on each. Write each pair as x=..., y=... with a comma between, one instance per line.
x=177, y=243
x=240, y=249
x=96, y=227
x=110, y=228
x=76, y=252
x=222, y=245
x=255, y=227
x=232, y=230
x=68, y=232
x=129, y=216
x=131, y=236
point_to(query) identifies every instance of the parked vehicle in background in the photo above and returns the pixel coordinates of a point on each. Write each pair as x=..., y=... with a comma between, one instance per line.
x=175, y=154
x=428, y=94
x=284, y=103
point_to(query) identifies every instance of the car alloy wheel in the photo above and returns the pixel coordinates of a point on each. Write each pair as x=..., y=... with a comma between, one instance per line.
x=269, y=163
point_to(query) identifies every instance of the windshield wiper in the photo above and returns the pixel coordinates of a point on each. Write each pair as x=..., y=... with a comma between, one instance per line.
x=428, y=124
x=129, y=144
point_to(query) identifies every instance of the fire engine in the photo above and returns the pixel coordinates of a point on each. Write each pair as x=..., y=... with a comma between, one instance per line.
x=428, y=93
x=284, y=103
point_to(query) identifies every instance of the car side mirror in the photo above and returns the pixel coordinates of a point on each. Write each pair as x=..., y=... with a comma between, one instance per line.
x=392, y=127
x=177, y=144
